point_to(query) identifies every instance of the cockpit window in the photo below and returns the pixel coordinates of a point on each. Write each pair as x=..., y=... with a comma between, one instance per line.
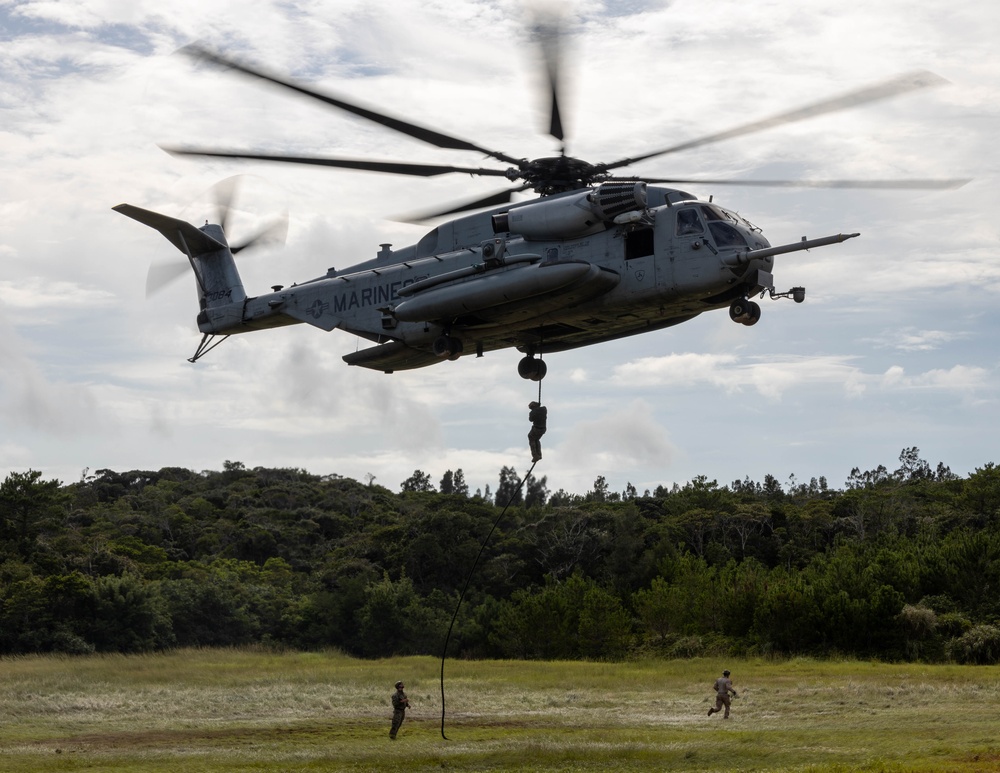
x=689, y=223
x=725, y=235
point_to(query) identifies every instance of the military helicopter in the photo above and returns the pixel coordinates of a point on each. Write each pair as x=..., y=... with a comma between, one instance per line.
x=594, y=258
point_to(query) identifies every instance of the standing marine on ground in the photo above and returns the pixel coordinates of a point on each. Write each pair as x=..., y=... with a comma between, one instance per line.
x=723, y=686
x=400, y=703
x=537, y=415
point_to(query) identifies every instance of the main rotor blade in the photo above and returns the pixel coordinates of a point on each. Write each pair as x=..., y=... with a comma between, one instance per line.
x=386, y=167
x=547, y=32
x=416, y=131
x=494, y=199
x=900, y=85
x=913, y=184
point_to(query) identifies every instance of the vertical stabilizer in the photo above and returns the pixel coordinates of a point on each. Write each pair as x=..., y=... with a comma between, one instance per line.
x=219, y=281
x=220, y=289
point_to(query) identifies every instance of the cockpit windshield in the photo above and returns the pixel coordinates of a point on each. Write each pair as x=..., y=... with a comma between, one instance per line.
x=726, y=235
x=721, y=224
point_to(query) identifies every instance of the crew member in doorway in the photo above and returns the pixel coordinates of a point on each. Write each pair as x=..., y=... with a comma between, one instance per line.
x=537, y=413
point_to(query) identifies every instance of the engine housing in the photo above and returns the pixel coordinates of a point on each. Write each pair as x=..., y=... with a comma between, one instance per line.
x=577, y=214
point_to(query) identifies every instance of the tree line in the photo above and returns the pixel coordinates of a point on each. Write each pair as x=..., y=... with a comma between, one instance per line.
x=899, y=564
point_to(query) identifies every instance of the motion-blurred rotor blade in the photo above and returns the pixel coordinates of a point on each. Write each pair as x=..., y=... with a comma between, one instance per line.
x=913, y=184
x=162, y=274
x=900, y=85
x=547, y=31
x=494, y=199
x=273, y=233
x=416, y=131
x=224, y=193
x=386, y=167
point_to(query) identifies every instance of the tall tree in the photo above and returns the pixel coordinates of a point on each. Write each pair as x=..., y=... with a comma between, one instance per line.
x=28, y=506
x=509, y=489
x=537, y=491
x=418, y=481
x=601, y=490
x=459, y=484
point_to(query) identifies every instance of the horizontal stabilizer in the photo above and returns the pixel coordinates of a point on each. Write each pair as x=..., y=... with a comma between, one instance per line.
x=182, y=235
x=391, y=356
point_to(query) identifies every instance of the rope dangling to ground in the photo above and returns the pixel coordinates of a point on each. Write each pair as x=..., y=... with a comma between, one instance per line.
x=447, y=639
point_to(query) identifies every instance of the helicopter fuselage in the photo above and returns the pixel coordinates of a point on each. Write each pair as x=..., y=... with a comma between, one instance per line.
x=557, y=273
x=595, y=258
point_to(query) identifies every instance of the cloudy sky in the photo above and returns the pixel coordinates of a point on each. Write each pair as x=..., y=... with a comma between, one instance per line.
x=895, y=346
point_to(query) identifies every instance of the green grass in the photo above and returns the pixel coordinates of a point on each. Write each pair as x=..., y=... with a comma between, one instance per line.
x=228, y=710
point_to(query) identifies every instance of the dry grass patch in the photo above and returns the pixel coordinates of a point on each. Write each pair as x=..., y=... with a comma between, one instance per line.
x=256, y=710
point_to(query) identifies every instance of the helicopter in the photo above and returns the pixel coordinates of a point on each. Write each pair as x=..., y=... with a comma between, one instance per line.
x=594, y=258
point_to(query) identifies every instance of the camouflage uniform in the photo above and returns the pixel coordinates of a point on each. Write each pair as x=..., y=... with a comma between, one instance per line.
x=400, y=703
x=723, y=686
x=537, y=416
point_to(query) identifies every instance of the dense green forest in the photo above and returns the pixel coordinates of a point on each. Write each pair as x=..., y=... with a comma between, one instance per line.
x=899, y=564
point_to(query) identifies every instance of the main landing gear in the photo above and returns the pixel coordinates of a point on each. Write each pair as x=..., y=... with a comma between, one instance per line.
x=532, y=369
x=447, y=347
x=744, y=311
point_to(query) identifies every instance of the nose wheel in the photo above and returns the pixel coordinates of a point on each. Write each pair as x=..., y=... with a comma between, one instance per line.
x=531, y=369
x=745, y=312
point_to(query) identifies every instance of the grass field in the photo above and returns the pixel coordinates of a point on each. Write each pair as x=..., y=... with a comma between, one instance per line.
x=225, y=710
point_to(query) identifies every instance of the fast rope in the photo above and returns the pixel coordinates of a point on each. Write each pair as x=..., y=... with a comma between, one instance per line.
x=447, y=639
x=468, y=580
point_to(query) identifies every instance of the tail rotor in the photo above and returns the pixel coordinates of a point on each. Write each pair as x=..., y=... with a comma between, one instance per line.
x=162, y=274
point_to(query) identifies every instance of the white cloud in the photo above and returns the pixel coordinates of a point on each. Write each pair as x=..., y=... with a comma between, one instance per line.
x=30, y=400
x=770, y=377
x=629, y=437
x=36, y=293
x=912, y=340
x=686, y=369
x=960, y=378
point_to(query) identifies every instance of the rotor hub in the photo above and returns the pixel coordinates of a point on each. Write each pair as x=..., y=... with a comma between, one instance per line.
x=556, y=174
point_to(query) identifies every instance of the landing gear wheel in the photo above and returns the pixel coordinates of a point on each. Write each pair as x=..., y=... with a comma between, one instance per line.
x=739, y=310
x=447, y=347
x=531, y=369
x=753, y=314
